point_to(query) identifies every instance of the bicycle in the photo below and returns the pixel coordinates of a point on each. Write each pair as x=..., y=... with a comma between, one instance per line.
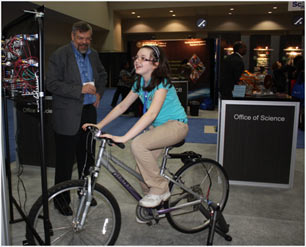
x=197, y=185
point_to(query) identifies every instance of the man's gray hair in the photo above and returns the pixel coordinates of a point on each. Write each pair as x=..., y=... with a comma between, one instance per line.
x=81, y=26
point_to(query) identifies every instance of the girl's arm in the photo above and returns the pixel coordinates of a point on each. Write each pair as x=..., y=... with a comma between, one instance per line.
x=116, y=112
x=146, y=119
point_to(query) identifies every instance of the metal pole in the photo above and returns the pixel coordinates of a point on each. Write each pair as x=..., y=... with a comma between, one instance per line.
x=7, y=154
x=41, y=95
x=5, y=240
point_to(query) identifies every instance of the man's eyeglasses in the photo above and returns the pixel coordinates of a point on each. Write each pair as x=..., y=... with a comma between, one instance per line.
x=142, y=59
x=79, y=38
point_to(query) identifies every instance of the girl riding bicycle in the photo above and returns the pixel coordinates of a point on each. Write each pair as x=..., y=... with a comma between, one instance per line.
x=164, y=116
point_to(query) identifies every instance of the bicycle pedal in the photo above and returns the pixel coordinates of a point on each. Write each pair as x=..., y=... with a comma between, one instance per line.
x=153, y=222
x=25, y=242
x=156, y=221
x=149, y=223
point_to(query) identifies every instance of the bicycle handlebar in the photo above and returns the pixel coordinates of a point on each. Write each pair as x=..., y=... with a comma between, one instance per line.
x=96, y=133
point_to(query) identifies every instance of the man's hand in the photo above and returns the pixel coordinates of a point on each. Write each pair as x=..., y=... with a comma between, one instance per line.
x=88, y=88
x=85, y=125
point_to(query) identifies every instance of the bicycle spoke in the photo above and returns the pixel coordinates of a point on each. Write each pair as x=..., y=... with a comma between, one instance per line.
x=61, y=236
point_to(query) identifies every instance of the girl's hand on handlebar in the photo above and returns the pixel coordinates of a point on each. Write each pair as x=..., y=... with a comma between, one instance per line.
x=118, y=139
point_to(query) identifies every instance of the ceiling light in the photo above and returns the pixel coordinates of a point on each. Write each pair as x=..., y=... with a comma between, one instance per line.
x=171, y=11
x=274, y=7
x=230, y=13
x=138, y=16
x=270, y=12
x=231, y=9
x=133, y=13
x=174, y=15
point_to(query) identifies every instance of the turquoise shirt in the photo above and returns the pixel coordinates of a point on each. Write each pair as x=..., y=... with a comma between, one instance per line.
x=172, y=108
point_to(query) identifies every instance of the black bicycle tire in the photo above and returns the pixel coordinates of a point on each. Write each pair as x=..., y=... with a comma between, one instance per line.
x=72, y=184
x=186, y=166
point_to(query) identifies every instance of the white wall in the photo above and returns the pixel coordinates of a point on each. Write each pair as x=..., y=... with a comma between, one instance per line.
x=93, y=12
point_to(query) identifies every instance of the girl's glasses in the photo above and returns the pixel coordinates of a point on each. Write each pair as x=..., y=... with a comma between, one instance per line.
x=142, y=59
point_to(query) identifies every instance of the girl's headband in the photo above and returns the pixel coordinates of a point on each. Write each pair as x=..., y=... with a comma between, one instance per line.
x=156, y=50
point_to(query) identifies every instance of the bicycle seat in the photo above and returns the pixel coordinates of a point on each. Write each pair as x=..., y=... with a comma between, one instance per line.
x=179, y=144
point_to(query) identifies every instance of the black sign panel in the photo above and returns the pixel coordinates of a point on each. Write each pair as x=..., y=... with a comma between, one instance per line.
x=258, y=143
x=28, y=135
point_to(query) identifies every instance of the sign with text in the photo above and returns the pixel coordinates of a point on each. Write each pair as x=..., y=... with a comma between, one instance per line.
x=258, y=142
x=295, y=5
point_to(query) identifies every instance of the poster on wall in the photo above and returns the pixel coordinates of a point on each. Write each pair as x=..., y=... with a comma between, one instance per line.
x=190, y=60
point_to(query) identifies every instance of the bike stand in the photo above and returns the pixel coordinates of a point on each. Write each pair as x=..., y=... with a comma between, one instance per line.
x=216, y=217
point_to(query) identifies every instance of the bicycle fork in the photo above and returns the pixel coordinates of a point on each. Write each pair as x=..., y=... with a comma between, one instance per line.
x=84, y=205
x=86, y=193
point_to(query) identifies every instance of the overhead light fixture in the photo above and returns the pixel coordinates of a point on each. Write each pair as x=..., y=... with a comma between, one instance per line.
x=231, y=9
x=171, y=11
x=230, y=13
x=174, y=15
x=152, y=43
x=195, y=42
x=270, y=12
x=275, y=7
x=259, y=48
x=133, y=13
x=138, y=16
x=291, y=48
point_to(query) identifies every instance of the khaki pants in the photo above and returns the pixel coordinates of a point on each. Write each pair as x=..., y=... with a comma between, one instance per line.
x=146, y=149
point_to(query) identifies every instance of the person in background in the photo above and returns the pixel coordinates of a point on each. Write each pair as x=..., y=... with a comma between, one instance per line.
x=298, y=91
x=292, y=72
x=76, y=79
x=232, y=69
x=124, y=83
x=280, y=84
x=164, y=116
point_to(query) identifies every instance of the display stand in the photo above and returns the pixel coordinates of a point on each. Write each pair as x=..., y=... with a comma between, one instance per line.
x=217, y=224
x=27, y=88
x=257, y=140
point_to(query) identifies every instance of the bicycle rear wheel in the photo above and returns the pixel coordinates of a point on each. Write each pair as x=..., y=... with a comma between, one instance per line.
x=205, y=177
x=102, y=223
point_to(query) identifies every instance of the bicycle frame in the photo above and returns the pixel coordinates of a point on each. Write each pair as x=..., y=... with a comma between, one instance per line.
x=194, y=196
x=104, y=157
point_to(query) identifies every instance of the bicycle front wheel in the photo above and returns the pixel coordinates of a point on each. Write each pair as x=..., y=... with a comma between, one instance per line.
x=205, y=177
x=102, y=223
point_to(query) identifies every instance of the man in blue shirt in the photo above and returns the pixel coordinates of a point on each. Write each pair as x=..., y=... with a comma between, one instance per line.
x=76, y=79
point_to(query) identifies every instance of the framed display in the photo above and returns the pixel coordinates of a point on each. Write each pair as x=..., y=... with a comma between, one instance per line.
x=257, y=141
